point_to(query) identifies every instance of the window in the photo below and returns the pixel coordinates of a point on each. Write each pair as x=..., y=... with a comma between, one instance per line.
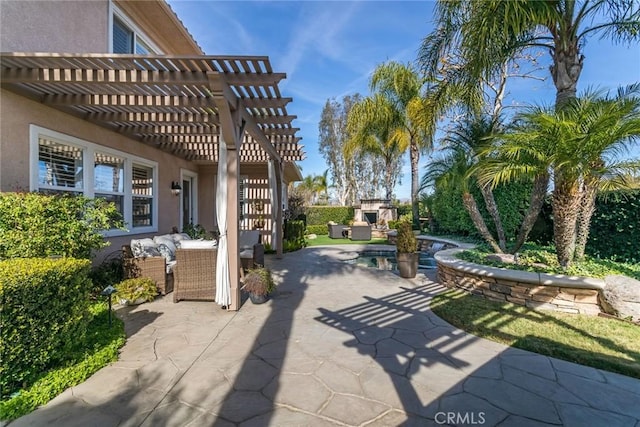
x=60, y=167
x=108, y=179
x=127, y=38
x=64, y=164
x=142, y=192
x=122, y=38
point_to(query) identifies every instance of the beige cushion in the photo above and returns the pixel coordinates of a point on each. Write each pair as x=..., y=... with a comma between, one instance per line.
x=176, y=237
x=197, y=244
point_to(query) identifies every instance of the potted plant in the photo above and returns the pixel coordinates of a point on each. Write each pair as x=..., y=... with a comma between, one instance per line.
x=259, y=283
x=406, y=251
x=136, y=291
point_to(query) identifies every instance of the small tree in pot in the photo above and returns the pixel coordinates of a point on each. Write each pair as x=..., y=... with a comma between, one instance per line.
x=406, y=251
x=259, y=284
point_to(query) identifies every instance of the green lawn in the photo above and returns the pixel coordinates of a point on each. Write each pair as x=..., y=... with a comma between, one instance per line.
x=323, y=240
x=609, y=344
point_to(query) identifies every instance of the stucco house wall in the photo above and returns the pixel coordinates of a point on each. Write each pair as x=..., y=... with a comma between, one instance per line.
x=54, y=26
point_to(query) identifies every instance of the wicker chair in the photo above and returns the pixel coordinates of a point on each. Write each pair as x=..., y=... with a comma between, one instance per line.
x=195, y=274
x=360, y=232
x=153, y=267
x=336, y=231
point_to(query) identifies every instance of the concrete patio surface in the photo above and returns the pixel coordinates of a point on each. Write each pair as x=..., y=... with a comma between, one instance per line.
x=338, y=345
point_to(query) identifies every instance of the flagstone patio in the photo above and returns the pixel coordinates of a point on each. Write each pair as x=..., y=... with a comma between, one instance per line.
x=338, y=345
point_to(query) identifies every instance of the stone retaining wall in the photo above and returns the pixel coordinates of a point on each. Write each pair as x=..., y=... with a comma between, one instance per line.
x=533, y=290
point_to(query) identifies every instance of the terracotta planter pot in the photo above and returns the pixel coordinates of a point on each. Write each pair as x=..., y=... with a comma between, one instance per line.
x=408, y=264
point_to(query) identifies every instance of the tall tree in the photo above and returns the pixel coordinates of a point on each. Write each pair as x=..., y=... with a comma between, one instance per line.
x=405, y=92
x=332, y=139
x=583, y=145
x=373, y=128
x=488, y=33
x=455, y=170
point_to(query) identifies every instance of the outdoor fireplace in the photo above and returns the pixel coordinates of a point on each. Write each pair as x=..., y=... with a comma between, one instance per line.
x=375, y=211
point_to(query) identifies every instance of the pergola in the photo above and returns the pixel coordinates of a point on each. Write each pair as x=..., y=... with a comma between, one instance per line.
x=185, y=105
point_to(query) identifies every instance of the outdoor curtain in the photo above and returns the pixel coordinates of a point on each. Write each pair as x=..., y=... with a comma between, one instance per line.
x=273, y=189
x=223, y=283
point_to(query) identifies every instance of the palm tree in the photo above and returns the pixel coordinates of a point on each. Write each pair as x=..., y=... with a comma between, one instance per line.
x=488, y=33
x=321, y=185
x=609, y=126
x=373, y=128
x=404, y=89
x=581, y=145
x=458, y=169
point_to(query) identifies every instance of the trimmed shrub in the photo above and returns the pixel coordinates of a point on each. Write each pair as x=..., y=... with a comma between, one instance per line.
x=294, y=236
x=320, y=230
x=404, y=210
x=450, y=216
x=39, y=225
x=322, y=215
x=615, y=227
x=44, y=307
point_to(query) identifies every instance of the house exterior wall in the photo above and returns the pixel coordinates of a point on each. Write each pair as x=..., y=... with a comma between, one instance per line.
x=18, y=113
x=54, y=26
x=84, y=26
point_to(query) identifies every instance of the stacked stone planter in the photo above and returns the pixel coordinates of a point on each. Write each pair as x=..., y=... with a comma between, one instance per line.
x=534, y=290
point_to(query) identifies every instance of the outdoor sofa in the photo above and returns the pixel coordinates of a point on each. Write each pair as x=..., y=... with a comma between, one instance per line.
x=157, y=258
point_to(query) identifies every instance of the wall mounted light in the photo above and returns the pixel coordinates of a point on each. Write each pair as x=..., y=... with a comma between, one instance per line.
x=175, y=188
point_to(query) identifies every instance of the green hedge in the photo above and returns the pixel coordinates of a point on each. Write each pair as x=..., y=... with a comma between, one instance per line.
x=451, y=217
x=44, y=310
x=321, y=215
x=39, y=225
x=294, y=235
x=615, y=228
x=320, y=230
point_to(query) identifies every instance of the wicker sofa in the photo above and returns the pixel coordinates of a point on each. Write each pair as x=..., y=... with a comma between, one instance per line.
x=158, y=259
x=153, y=258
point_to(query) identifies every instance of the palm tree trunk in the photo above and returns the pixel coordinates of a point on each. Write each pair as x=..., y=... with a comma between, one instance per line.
x=536, y=201
x=471, y=207
x=492, y=207
x=566, y=67
x=414, y=157
x=566, y=202
x=388, y=183
x=587, y=207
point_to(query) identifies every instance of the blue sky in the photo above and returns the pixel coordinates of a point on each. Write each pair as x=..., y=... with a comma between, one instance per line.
x=328, y=49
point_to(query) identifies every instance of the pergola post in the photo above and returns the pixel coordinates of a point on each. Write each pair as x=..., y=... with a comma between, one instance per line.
x=232, y=131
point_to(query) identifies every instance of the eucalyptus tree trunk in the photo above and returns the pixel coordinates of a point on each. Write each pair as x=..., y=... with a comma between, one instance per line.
x=566, y=202
x=492, y=208
x=536, y=201
x=587, y=207
x=414, y=157
x=476, y=217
